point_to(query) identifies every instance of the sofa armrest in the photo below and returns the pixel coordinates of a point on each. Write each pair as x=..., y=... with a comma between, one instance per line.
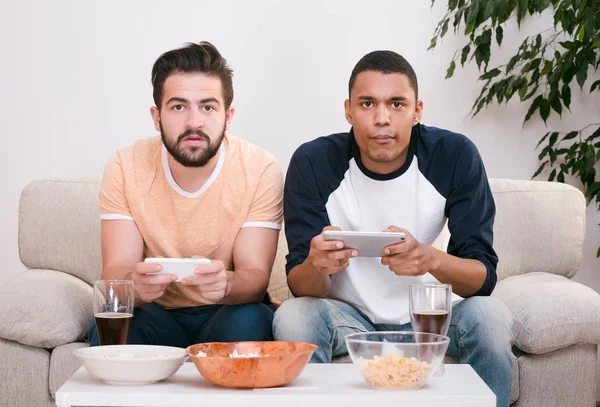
x=550, y=312
x=45, y=308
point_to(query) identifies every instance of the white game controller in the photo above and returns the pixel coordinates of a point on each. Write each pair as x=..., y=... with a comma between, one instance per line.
x=180, y=267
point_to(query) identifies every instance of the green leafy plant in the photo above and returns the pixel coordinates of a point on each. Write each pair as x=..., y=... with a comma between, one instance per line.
x=542, y=71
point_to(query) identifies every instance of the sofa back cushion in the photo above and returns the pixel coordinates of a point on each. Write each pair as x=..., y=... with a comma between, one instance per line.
x=59, y=227
x=539, y=226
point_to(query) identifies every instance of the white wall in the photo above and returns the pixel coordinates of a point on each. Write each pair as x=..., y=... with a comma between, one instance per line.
x=75, y=84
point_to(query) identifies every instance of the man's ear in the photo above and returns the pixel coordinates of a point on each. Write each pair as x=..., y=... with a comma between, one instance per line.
x=229, y=116
x=418, y=112
x=347, y=111
x=155, y=117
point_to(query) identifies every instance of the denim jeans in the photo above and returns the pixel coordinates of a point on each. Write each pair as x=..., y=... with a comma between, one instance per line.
x=480, y=334
x=182, y=327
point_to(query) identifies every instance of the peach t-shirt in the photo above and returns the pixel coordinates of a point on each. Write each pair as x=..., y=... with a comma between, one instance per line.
x=244, y=190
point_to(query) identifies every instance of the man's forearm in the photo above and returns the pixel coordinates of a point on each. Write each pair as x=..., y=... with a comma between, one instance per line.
x=305, y=281
x=245, y=287
x=117, y=273
x=465, y=275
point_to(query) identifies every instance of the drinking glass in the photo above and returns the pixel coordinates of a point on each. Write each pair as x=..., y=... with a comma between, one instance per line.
x=113, y=310
x=431, y=310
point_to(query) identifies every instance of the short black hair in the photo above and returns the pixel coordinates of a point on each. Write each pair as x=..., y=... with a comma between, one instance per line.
x=385, y=62
x=192, y=58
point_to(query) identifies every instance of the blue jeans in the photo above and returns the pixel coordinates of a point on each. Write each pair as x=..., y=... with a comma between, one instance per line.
x=480, y=334
x=182, y=327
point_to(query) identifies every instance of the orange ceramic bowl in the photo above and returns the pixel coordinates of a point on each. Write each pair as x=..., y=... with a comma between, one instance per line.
x=278, y=363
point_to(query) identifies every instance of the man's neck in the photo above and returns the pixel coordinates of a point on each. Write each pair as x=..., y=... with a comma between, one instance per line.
x=385, y=167
x=191, y=179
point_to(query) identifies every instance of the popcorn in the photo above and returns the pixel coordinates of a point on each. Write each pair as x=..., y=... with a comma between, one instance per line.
x=394, y=372
x=233, y=355
x=130, y=356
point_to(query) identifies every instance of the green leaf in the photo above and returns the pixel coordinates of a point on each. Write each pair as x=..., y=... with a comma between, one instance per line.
x=553, y=138
x=544, y=109
x=534, y=106
x=595, y=85
x=561, y=177
x=570, y=135
x=512, y=62
x=542, y=140
x=523, y=91
x=552, y=175
x=465, y=54
x=488, y=11
x=566, y=95
x=594, y=135
x=540, y=169
x=450, y=70
x=499, y=35
x=556, y=105
x=598, y=252
x=547, y=68
x=538, y=41
x=544, y=152
x=432, y=44
x=521, y=10
x=569, y=45
x=582, y=74
x=444, y=28
x=581, y=34
x=490, y=74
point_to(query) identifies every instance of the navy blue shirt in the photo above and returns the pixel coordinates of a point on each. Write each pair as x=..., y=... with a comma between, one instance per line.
x=443, y=179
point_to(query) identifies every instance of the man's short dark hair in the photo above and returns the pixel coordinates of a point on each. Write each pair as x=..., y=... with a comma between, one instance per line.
x=385, y=62
x=192, y=58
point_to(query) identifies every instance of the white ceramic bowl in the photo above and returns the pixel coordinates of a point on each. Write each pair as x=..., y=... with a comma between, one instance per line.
x=131, y=364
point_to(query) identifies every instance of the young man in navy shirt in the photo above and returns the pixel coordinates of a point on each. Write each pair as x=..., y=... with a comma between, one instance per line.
x=392, y=173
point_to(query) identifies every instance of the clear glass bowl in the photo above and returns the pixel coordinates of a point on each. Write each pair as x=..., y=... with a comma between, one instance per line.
x=397, y=360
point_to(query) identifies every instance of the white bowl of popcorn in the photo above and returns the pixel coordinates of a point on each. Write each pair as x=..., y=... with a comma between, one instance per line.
x=397, y=360
x=131, y=364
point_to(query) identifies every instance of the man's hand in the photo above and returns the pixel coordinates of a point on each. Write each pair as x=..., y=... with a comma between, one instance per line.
x=210, y=280
x=147, y=285
x=328, y=257
x=409, y=258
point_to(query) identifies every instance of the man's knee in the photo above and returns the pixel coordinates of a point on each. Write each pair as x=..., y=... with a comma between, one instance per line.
x=488, y=319
x=297, y=319
x=245, y=322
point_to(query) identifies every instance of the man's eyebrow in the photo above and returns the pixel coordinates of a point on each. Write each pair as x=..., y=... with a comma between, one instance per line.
x=365, y=97
x=398, y=99
x=177, y=99
x=200, y=102
x=208, y=100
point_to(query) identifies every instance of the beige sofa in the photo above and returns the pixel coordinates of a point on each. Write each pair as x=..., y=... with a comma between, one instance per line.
x=538, y=236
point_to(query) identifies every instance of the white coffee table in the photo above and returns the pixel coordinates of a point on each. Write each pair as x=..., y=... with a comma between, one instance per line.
x=319, y=385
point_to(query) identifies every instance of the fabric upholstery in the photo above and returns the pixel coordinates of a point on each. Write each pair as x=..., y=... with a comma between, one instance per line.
x=48, y=308
x=63, y=363
x=563, y=378
x=550, y=312
x=24, y=375
x=59, y=227
x=523, y=235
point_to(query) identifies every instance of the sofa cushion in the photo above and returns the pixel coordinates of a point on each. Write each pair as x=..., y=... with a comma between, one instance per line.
x=528, y=216
x=24, y=376
x=550, y=312
x=48, y=308
x=59, y=227
x=63, y=363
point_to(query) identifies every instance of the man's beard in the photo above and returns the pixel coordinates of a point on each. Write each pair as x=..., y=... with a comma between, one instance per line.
x=193, y=156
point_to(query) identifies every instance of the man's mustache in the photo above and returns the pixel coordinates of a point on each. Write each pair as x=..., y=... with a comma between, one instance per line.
x=191, y=132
